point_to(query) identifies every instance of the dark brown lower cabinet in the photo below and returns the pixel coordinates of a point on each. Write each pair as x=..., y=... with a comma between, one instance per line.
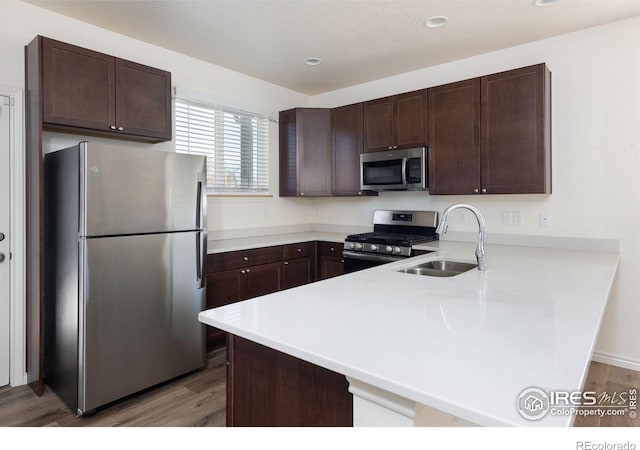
x=268, y=388
x=330, y=262
x=234, y=285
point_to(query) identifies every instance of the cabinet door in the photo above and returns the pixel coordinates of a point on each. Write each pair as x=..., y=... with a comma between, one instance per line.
x=262, y=280
x=78, y=86
x=410, y=118
x=378, y=125
x=296, y=272
x=330, y=266
x=347, y=131
x=516, y=144
x=454, y=138
x=288, y=130
x=314, y=146
x=222, y=288
x=269, y=388
x=143, y=100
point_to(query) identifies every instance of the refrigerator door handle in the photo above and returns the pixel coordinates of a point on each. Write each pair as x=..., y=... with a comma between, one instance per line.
x=201, y=257
x=199, y=203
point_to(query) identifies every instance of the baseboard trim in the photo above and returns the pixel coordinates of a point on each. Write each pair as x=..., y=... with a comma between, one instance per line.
x=615, y=361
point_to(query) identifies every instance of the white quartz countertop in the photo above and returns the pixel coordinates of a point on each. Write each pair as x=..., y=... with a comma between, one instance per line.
x=228, y=245
x=467, y=345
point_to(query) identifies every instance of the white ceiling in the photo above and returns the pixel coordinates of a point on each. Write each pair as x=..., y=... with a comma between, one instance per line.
x=357, y=40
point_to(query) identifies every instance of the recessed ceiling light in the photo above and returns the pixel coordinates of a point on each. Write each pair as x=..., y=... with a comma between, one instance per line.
x=544, y=2
x=312, y=61
x=436, y=21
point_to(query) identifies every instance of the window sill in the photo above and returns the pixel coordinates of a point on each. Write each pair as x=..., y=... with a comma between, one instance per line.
x=239, y=195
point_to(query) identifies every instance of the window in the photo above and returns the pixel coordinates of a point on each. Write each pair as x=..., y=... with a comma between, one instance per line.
x=235, y=143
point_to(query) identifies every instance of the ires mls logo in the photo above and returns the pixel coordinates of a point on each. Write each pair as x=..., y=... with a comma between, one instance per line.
x=534, y=403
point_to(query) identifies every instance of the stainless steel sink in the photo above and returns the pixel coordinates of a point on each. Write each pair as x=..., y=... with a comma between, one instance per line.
x=439, y=268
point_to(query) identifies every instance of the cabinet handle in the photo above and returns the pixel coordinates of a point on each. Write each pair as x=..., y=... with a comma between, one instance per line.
x=475, y=191
x=112, y=127
x=299, y=250
x=342, y=261
x=246, y=258
x=359, y=192
x=332, y=249
x=242, y=271
x=286, y=263
x=247, y=270
x=301, y=193
x=484, y=190
x=120, y=128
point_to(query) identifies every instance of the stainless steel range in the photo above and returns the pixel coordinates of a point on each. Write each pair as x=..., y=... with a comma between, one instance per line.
x=393, y=237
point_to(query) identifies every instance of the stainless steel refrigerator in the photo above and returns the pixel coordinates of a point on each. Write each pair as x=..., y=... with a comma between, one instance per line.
x=125, y=251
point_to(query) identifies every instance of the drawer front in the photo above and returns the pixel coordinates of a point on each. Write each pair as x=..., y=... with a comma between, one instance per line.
x=300, y=250
x=243, y=258
x=330, y=249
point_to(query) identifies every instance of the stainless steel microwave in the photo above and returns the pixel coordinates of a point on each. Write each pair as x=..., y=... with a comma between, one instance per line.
x=394, y=170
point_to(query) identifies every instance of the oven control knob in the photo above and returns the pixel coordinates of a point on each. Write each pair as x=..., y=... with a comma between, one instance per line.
x=397, y=250
x=358, y=246
x=389, y=248
x=374, y=248
x=352, y=245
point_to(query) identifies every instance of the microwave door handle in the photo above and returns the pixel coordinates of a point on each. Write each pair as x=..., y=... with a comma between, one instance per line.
x=405, y=162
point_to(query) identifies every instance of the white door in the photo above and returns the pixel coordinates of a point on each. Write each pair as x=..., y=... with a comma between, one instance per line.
x=4, y=239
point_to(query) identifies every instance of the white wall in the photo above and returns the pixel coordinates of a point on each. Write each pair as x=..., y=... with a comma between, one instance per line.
x=595, y=146
x=21, y=22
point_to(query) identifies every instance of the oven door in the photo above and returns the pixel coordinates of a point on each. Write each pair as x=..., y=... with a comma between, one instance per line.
x=354, y=261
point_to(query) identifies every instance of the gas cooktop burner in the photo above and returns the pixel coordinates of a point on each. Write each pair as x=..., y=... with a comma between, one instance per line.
x=391, y=238
x=394, y=233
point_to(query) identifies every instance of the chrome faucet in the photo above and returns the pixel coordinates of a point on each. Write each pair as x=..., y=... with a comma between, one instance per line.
x=481, y=257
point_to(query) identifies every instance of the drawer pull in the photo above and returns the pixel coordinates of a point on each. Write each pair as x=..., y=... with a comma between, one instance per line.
x=242, y=271
x=246, y=258
x=247, y=270
x=299, y=250
x=332, y=249
x=286, y=263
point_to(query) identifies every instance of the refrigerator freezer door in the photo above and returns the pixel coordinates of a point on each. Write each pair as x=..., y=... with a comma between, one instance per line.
x=131, y=191
x=139, y=317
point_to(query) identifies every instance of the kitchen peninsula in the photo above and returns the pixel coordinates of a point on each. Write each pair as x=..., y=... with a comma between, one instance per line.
x=421, y=350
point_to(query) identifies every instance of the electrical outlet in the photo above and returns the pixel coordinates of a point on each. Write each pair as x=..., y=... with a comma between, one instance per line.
x=506, y=217
x=545, y=219
x=462, y=216
x=517, y=218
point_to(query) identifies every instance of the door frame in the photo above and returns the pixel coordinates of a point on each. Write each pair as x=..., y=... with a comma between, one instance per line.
x=17, y=266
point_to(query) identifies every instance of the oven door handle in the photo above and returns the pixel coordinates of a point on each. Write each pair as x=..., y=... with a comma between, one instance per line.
x=370, y=257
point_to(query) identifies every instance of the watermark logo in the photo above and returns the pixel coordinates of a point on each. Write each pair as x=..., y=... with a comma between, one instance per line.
x=534, y=403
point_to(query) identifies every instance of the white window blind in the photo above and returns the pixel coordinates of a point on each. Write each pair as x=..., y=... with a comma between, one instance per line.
x=235, y=143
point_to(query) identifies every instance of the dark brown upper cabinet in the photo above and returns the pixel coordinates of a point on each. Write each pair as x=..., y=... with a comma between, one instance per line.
x=96, y=94
x=347, y=137
x=516, y=131
x=491, y=135
x=398, y=121
x=454, y=138
x=305, y=152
